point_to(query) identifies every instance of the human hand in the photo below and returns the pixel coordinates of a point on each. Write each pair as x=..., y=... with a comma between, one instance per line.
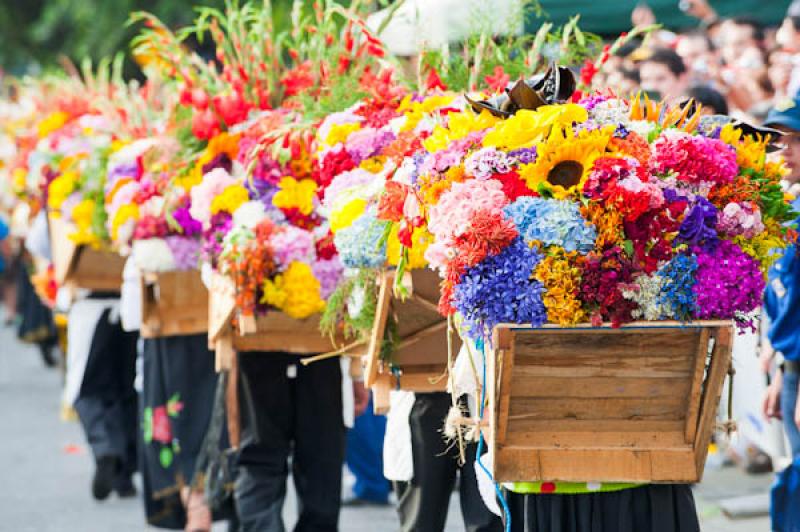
x=699, y=9
x=360, y=398
x=765, y=357
x=771, y=407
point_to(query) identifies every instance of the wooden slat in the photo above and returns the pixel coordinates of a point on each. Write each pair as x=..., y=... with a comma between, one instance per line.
x=173, y=303
x=534, y=426
x=381, y=389
x=597, y=386
x=221, y=305
x=571, y=348
x=718, y=370
x=654, y=369
x=696, y=390
x=378, y=328
x=505, y=364
x=599, y=408
x=596, y=439
x=516, y=464
x=232, y=404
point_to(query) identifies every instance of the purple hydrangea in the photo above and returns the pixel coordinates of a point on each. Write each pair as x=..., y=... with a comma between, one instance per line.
x=501, y=289
x=524, y=155
x=185, y=251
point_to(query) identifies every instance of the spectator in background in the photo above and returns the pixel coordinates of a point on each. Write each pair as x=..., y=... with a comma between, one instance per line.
x=664, y=75
x=697, y=52
x=712, y=101
x=737, y=36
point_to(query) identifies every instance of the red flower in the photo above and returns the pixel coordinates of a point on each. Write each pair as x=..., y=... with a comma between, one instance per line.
x=162, y=431
x=205, y=124
x=231, y=107
x=334, y=163
x=588, y=71
x=298, y=79
x=498, y=81
x=514, y=186
x=390, y=204
x=325, y=247
x=433, y=81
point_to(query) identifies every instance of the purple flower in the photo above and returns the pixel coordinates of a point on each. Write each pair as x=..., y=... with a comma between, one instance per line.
x=185, y=251
x=189, y=225
x=212, y=238
x=728, y=282
x=524, y=155
x=500, y=289
x=699, y=226
x=220, y=161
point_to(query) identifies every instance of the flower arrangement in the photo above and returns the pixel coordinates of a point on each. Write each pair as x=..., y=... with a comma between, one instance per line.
x=568, y=212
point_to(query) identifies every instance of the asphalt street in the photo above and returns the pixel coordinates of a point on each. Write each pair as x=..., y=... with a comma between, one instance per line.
x=46, y=468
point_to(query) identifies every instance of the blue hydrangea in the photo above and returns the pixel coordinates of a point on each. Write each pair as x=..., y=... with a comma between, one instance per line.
x=677, y=297
x=500, y=289
x=360, y=245
x=552, y=222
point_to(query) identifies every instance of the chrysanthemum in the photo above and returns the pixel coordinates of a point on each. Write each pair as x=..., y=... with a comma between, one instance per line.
x=565, y=159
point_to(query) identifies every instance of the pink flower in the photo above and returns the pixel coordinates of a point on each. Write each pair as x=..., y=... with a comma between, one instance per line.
x=453, y=215
x=291, y=244
x=203, y=194
x=694, y=159
x=740, y=219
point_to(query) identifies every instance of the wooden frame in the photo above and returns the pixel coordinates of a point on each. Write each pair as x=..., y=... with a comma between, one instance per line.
x=80, y=265
x=421, y=356
x=173, y=303
x=274, y=331
x=633, y=404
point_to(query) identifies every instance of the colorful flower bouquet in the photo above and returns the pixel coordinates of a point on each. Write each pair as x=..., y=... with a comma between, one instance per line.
x=598, y=210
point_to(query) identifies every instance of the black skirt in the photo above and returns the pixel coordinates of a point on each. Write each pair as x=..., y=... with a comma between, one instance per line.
x=176, y=403
x=650, y=508
x=36, y=324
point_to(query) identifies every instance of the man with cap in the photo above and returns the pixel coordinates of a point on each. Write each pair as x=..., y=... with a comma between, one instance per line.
x=782, y=295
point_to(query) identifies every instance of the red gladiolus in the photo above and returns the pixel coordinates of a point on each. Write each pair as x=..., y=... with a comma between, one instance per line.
x=390, y=204
x=588, y=71
x=231, y=108
x=433, y=81
x=404, y=233
x=497, y=81
x=186, y=96
x=205, y=125
x=199, y=99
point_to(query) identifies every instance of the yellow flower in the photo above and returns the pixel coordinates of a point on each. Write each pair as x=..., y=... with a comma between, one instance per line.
x=295, y=291
x=527, y=127
x=416, y=111
x=60, y=188
x=295, y=194
x=19, y=176
x=565, y=159
x=231, y=199
x=459, y=126
x=52, y=122
x=420, y=240
x=123, y=214
x=765, y=246
x=222, y=143
x=339, y=133
x=560, y=273
x=82, y=216
x=345, y=215
x=373, y=164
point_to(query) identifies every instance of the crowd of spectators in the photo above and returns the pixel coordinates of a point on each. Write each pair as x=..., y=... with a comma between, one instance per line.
x=731, y=66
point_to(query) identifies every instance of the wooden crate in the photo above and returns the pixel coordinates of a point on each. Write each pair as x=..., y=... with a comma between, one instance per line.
x=82, y=266
x=173, y=304
x=273, y=331
x=634, y=404
x=421, y=356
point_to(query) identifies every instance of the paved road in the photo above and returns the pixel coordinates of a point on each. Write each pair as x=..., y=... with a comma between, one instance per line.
x=45, y=468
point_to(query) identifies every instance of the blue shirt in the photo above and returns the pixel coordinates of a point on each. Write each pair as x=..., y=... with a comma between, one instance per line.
x=782, y=302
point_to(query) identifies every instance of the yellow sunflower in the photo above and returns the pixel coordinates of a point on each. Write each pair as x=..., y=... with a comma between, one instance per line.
x=564, y=160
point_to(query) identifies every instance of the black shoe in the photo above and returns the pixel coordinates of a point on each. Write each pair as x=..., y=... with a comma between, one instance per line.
x=123, y=486
x=103, y=481
x=47, y=355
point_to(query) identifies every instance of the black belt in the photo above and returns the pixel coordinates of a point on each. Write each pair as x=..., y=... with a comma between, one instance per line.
x=791, y=366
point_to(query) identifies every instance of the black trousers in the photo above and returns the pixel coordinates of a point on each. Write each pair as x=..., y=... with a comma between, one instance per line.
x=423, y=502
x=651, y=508
x=106, y=403
x=289, y=410
x=176, y=402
